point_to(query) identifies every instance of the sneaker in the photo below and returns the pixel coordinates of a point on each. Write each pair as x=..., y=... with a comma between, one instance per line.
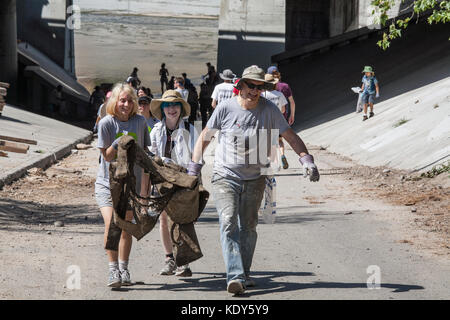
x=169, y=268
x=371, y=114
x=125, y=277
x=235, y=287
x=249, y=282
x=184, y=271
x=365, y=118
x=114, y=279
x=285, y=163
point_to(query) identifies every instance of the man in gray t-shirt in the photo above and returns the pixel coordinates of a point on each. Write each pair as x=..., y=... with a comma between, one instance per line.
x=238, y=181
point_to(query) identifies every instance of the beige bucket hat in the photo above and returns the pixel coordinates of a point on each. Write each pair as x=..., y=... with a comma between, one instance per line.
x=270, y=78
x=169, y=96
x=255, y=73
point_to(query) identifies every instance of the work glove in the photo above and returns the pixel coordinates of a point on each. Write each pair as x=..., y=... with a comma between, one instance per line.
x=309, y=168
x=194, y=168
x=377, y=95
x=95, y=129
x=115, y=143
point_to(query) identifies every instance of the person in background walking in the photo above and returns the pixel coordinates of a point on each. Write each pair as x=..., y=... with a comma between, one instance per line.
x=134, y=75
x=96, y=100
x=102, y=111
x=144, y=110
x=205, y=103
x=187, y=81
x=171, y=85
x=286, y=90
x=122, y=119
x=179, y=86
x=163, y=73
x=280, y=101
x=370, y=90
x=224, y=90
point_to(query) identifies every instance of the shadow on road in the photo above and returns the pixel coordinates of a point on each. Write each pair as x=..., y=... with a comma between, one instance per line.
x=17, y=212
x=267, y=283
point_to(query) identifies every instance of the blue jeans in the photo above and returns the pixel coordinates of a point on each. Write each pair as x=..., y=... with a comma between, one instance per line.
x=237, y=204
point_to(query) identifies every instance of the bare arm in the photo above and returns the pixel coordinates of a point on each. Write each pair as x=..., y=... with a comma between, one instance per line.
x=202, y=143
x=295, y=142
x=108, y=153
x=292, y=116
x=214, y=103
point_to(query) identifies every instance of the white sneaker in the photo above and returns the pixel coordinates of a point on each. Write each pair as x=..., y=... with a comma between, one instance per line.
x=114, y=279
x=169, y=268
x=125, y=277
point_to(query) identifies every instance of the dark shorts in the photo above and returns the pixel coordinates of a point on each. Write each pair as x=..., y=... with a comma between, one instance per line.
x=368, y=97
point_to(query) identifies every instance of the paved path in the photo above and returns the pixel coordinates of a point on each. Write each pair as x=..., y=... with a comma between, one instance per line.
x=315, y=250
x=55, y=139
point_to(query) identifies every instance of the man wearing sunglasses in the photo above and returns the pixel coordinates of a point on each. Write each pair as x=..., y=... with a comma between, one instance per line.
x=238, y=180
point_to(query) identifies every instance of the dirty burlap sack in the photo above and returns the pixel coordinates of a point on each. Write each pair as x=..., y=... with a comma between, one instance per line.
x=183, y=209
x=182, y=196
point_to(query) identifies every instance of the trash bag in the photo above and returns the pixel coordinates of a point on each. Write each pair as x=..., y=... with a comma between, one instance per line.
x=359, y=104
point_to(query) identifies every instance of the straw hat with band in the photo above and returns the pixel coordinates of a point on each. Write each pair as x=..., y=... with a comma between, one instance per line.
x=254, y=73
x=169, y=96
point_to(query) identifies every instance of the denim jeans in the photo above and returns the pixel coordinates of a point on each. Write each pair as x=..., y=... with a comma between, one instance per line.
x=237, y=204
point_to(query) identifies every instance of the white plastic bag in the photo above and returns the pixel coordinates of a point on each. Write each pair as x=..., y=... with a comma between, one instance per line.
x=269, y=209
x=359, y=104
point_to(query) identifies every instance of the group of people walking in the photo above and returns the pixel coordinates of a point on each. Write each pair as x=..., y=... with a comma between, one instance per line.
x=240, y=108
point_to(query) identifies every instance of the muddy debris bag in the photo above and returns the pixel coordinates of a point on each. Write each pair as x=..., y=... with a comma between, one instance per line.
x=182, y=196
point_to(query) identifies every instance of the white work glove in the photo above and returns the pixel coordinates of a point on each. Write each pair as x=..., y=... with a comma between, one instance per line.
x=309, y=168
x=377, y=95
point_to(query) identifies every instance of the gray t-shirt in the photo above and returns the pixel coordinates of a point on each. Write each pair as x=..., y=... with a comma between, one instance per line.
x=151, y=123
x=240, y=151
x=109, y=129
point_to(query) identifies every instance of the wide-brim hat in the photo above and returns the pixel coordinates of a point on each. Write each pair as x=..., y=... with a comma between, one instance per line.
x=169, y=96
x=227, y=74
x=367, y=69
x=255, y=73
x=270, y=78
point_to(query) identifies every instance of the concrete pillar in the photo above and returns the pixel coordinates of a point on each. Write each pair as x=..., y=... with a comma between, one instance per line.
x=307, y=21
x=8, y=47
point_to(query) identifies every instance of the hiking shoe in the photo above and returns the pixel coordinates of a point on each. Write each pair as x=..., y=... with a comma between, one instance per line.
x=235, y=287
x=285, y=163
x=169, y=268
x=365, y=118
x=114, y=279
x=184, y=271
x=371, y=115
x=125, y=277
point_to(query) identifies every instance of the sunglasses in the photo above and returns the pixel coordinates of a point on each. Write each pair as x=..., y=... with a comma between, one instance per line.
x=254, y=86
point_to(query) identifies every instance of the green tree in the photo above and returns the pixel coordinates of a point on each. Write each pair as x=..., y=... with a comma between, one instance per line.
x=440, y=13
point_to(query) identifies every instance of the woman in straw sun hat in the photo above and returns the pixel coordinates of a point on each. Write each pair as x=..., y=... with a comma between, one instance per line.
x=169, y=140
